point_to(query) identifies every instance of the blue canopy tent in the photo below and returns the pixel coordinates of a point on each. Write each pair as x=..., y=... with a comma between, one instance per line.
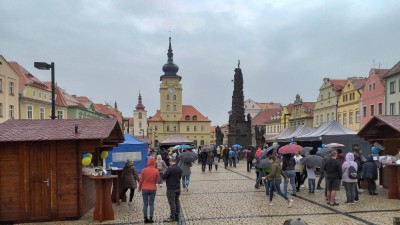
x=132, y=149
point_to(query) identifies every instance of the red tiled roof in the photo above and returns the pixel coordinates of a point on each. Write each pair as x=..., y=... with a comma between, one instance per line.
x=308, y=105
x=130, y=120
x=270, y=105
x=392, y=121
x=358, y=82
x=26, y=78
x=108, y=110
x=380, y=72
x=212, y=129
x=156, y=117
x=63, y=98
x=338, y=84
x=82, y=99
x=264, y=116
x=49, y=130
x=394, y=70
x=189, y=110
x=290, y=107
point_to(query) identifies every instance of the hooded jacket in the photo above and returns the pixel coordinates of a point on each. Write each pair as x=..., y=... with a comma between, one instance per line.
x=149, y=176
x=345, y=167
x=129, y=176
x=370, y=170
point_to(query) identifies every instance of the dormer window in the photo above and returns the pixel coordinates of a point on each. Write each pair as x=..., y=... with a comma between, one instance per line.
x=195, y=118
x=187, y=118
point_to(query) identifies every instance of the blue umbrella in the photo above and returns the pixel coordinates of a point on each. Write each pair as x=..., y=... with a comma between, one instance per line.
x=184, y=146
x=236, y=146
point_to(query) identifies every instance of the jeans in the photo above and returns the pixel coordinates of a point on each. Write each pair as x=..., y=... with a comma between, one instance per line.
x=226, y=160
x=371, y=185
x=267, y=185
x=174, y=203
x=291, y=174
x=160, y=178
x=321, y=177
x=311, y=185
x=276, y=185
x=185, y=181
x=260, y=174
x=148, y=200
x=350, y=188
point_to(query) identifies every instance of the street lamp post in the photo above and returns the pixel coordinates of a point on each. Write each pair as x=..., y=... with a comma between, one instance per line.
x=46, y=66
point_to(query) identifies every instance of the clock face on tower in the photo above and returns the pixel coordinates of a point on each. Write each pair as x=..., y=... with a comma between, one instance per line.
x=171, y=90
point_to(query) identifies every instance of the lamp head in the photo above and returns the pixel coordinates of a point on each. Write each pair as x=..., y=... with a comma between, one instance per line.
x=42, y=66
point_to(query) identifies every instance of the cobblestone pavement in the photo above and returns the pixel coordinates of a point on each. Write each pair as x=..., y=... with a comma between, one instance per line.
x=228, y=196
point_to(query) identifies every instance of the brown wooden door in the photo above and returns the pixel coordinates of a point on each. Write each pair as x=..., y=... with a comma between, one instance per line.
x=39, y=207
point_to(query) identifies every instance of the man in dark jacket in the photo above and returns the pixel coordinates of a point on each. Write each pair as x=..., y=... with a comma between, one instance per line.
x=173, y=177
x=333, y=171
x=250, y=157
x=370, y=173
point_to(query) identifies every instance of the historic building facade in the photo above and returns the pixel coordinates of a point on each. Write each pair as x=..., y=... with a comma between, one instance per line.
x=348, y=111
x=373, y=96
x=302, y=113
x=326, y=106
x=392, y=92
x=9, y=81
x=139, y=120
x=174, y=118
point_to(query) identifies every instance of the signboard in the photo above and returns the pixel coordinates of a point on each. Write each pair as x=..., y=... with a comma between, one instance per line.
x=123, y=156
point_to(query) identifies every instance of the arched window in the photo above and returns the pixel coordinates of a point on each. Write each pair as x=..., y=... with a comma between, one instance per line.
x=194, y=118
x=187, y=118
x=174, y=107
x=202, y=142
x=167, y=128
x=168, y=108
x=174, y=97
x=140, y=115
x=167, y=97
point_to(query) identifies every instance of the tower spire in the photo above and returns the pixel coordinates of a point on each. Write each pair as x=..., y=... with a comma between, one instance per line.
x=140, y=106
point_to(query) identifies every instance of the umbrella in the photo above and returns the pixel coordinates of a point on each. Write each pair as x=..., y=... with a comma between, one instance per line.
x=288, y=149
x=236, y=146
x=324, y=151
x=188, y=157
x=305, y=150
x=264, y=163
x=312, y=161
x=184, y=146
x=206, y=149
x=268, y=150
x=175, y=147
x=334, y=145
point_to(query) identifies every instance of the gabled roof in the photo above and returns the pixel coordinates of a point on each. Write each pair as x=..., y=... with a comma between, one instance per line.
x=156, y=117
x=301, y=130
x=337, y=85
x=328, y=128
x=51, y=130
x=394, y=70
x=264, y=116
x=109, y=111
x=63, y=98
x=381, y=127
x=189, y=110
x=270, y=105
x=379, y=72
x=83, y=100
x=358, y=82
x=130, y=120
x=26, y=78
x=175, y=139
x=290, y=107
x=308, y=105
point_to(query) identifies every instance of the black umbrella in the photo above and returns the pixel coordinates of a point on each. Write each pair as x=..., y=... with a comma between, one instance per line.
x=324, y=152
x=312, y=161
x=268, y=151
x=188, y=157
x=264, y=163
x=305, y=150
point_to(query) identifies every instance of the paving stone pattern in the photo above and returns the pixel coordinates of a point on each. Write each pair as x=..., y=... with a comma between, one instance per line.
x=228, y=196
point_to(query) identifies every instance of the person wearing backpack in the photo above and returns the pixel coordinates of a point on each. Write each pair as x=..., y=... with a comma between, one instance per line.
x=349, y=178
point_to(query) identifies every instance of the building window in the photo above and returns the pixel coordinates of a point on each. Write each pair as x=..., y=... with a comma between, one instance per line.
x=140, y=116
x=202, y=128
x=373, y=86
x=167, y=128
x=34, y=94
x=380, y=108
x=42, y=116
x=1, y=110
x=167, y=97
x=365, y=111
x=187, y=118
x=322, y=97
x=29, y=112
x=194, y=128
x=168, y=108
x=174, y=107
x=358, y=116
x=174, y=97
x=392, y=87
x=202, y=142
x=187, y=128
x=45, y=96
x=155, y=128
x=350, y=117
x=370, y=87
x=60, y=114
x=174, y=128
x=317, y=120
x=372, y=110
x=11, y=112
x=391, y=108
x=344, y=118
x=321, y=118
x=1, y=85
x=333, y=116
x=140, y=125
x=11, y=90
x=195, y=118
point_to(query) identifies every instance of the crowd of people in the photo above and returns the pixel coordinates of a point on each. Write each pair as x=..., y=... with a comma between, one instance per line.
x=338, y=169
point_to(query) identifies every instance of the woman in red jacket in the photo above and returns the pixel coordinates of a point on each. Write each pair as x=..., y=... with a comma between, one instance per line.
x=148, y=185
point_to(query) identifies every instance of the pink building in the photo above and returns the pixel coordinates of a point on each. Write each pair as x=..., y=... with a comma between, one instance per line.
x=373, y=96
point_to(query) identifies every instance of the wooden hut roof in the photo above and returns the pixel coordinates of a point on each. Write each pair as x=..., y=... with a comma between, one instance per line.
x=381, y=127
x=107, y=130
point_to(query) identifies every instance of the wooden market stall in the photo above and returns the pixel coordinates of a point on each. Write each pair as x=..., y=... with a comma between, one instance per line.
x=41, y=167
x=386, y=130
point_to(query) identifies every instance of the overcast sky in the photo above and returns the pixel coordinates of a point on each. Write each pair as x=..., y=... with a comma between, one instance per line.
x=111, y=50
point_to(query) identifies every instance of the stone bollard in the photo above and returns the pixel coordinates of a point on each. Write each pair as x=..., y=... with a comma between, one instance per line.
x=396, y=220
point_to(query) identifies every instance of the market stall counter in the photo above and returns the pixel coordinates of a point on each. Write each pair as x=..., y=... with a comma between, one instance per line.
x=103, y=209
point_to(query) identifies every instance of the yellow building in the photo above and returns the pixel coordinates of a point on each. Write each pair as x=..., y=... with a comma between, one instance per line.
x=174, y=118
x=348, y=112
x=9, y=81
x=302, y=113
x=285, y=116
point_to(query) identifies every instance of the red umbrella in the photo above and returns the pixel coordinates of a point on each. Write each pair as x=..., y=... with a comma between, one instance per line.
x=288, y=149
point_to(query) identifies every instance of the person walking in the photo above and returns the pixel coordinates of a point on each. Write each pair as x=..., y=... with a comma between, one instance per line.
x=210, y=160
x=148, y=186
x=172, y=177
x=225, y=154
x=288, y=164
x=218, y=152
x=186, y=171
x=203, y=160
x=370, y=173
x=216, y=161
x=249, y=156
x=348, y=182
x=162, y=167
x=129, y=179
x=311, y=179
x=297, y=157
x=275, y=178
x=333, y=177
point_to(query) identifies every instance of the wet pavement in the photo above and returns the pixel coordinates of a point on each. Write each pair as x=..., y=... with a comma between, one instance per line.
x=228, y=196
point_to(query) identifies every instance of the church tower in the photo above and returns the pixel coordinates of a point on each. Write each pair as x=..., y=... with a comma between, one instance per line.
x=140, y=119
x=170, y=89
